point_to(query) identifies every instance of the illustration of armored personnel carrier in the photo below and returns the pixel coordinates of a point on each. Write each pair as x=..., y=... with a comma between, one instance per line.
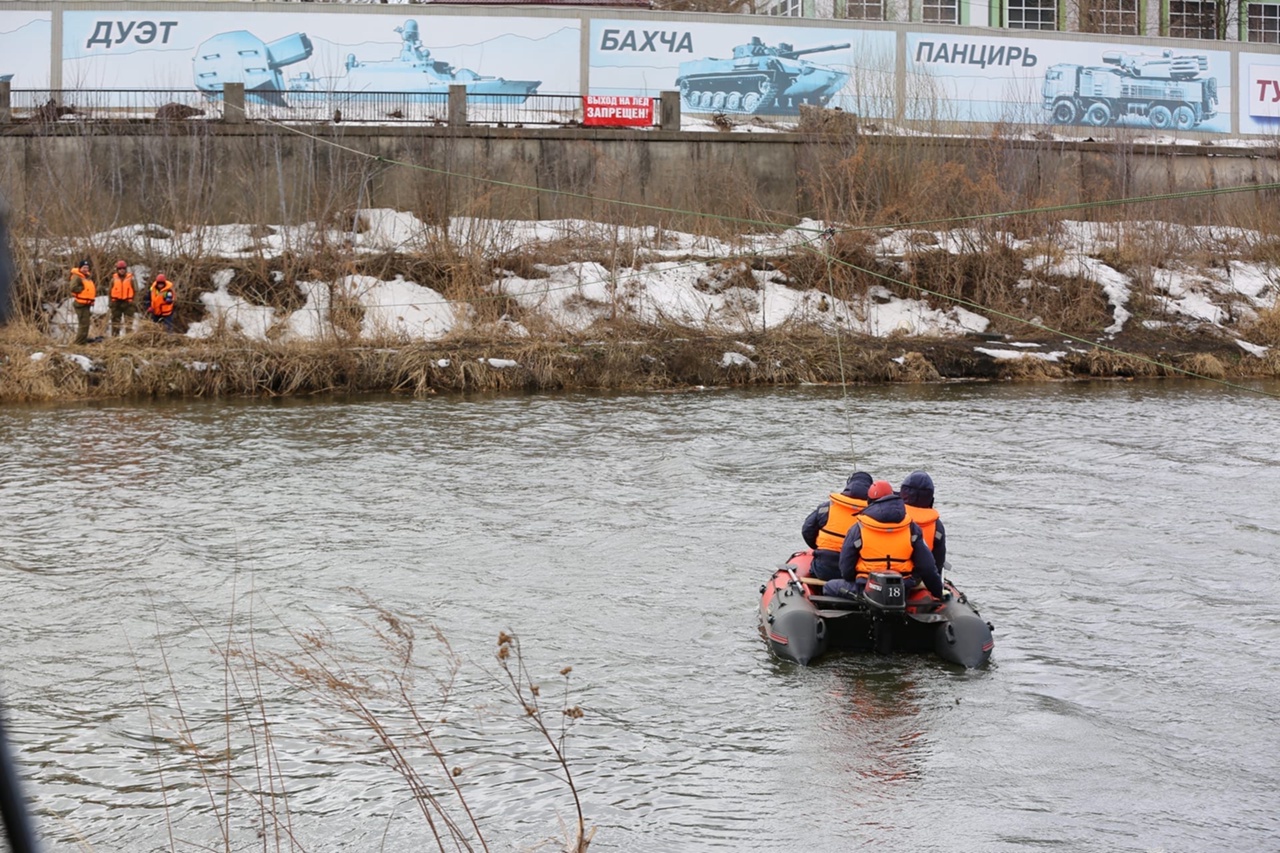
x=1162, y=91
x=760, y=78
x=242, y=57
x=414, y=71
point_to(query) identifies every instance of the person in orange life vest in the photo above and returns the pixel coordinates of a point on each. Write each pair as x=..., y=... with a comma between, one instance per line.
x=824, y=529
x=917, y=494
x=160, y=310
x=884, y=538
x=123, y=294
x=84, y=292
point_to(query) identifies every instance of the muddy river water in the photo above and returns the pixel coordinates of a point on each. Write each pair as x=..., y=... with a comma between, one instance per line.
x=1122, y=538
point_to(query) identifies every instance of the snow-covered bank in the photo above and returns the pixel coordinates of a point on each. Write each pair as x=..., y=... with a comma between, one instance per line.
x=664, y=278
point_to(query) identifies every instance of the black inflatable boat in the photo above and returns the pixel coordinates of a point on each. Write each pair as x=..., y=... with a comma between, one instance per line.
x=800, y=624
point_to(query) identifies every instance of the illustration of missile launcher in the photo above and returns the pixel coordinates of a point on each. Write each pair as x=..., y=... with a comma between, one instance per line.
x=1164, y=91
x=240, y=56
x=760, y=78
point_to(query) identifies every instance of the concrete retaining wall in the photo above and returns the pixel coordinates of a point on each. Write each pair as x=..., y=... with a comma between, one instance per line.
x=94, y=177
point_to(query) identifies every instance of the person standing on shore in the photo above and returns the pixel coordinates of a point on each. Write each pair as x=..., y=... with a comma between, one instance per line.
x=123, y=294
x=162, y=300
x=85, y=293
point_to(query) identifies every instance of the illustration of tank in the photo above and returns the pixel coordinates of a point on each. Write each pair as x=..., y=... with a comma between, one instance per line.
x=415, y=71
x=760, y=78
x=241, y=57
x=1162, y=91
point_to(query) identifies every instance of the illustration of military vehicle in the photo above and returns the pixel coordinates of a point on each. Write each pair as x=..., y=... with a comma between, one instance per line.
x=1163, y=91
x=760, y=78
x=242, y=57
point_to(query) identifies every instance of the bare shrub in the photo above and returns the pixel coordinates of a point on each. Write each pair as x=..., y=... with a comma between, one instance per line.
x=988, y=278
x=404, y=711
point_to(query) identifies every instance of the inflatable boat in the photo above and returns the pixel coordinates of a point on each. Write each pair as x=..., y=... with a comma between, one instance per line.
x=801, y=624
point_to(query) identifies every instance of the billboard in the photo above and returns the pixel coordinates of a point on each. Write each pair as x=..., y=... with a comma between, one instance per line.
x=744, y=69
x=1043, y=81
x=1259, y=103
x=25, y=49
x=285, y=57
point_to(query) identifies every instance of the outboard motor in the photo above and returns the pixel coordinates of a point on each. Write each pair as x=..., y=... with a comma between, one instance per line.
x=885, y=592
x=887, y=597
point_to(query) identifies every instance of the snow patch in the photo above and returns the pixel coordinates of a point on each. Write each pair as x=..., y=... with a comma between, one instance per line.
x=1007, y=354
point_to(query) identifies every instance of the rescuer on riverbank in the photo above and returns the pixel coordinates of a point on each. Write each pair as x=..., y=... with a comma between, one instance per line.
x=85, y=292
x=824, y=529
x=123, y=294
x=160, y=309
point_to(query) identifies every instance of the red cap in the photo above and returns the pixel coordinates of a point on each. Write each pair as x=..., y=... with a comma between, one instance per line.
x=160, y=277
x=121, y=265
x=879, y=489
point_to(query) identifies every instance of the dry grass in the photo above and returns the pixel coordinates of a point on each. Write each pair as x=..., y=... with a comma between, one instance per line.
x=1105, y=363
x=616, y=356
x=1203, y=364
x=915, y=368
x=1265, y=328
x=1031, y=369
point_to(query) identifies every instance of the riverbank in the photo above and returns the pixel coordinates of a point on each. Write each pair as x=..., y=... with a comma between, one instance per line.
x=151, y=365
x=388, y=302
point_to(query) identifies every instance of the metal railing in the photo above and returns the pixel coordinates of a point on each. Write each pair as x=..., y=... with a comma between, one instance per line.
x=69, y=105
x=429, y=108
x=501, y=110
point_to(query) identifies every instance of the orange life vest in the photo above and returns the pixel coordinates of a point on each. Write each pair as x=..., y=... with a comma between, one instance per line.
x=926, y=518
x=844, y=510
x=122, y=288
x=89, y=292
x=160, y=306
x=886, y=546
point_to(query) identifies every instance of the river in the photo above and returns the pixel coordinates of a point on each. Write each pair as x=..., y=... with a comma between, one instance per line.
x=1120, y=536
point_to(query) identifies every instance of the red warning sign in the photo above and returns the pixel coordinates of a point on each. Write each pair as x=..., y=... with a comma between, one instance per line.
x=617, y=111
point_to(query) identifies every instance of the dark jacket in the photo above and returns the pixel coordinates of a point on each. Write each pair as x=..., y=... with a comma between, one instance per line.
x=917, y=490
x=890, y=509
